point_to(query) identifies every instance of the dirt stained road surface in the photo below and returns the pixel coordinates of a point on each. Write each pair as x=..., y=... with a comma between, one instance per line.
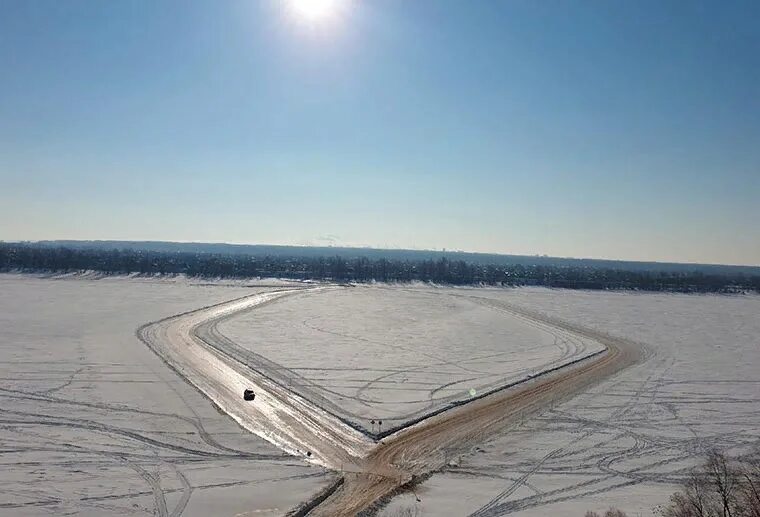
x=425, y=448
x=371, y=471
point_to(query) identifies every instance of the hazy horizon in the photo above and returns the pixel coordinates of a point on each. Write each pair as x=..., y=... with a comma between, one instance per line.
x=375, y=248
x=623, y=131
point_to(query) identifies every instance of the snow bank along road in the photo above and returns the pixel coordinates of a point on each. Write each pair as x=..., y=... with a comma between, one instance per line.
x=372, y=472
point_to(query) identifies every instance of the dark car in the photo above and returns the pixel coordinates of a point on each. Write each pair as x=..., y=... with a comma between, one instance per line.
x=249, y=395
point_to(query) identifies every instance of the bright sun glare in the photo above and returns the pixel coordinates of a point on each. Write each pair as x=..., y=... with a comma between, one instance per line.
x=314, y=10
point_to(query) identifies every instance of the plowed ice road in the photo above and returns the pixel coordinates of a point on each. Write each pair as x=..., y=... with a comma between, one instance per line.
x=371, y=470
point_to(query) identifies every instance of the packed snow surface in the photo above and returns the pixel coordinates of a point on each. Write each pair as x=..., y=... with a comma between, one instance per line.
x=93, y=423
x=394, y=354
x=287, y=420
x=628, y=441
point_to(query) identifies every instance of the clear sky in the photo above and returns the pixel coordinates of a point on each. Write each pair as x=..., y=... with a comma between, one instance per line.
x=614, y=129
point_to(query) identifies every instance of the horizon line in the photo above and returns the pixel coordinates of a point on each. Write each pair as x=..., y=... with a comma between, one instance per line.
x=347, y=247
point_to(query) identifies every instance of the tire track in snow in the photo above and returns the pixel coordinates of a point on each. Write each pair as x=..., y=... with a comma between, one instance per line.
x=281, y=417
x=417, y=451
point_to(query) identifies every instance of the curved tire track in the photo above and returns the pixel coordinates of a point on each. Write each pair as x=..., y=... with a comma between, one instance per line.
x=417, y=451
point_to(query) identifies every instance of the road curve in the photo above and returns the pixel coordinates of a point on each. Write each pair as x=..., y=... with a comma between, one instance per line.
x=302, y=428
x=425, y=448
x=285, y=419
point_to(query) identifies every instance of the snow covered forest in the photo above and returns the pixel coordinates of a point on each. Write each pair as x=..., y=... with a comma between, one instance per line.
x=360, y=268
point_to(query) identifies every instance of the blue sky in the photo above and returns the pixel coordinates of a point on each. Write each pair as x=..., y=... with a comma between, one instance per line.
x=591, y=129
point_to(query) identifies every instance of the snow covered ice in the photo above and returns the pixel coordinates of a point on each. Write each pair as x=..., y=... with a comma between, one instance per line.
x=93, y=423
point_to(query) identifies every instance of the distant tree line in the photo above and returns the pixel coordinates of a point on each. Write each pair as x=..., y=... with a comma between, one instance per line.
x=262, y=250
x=33, y=258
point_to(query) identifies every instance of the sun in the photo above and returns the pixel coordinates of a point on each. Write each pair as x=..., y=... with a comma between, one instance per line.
x=314, y=10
